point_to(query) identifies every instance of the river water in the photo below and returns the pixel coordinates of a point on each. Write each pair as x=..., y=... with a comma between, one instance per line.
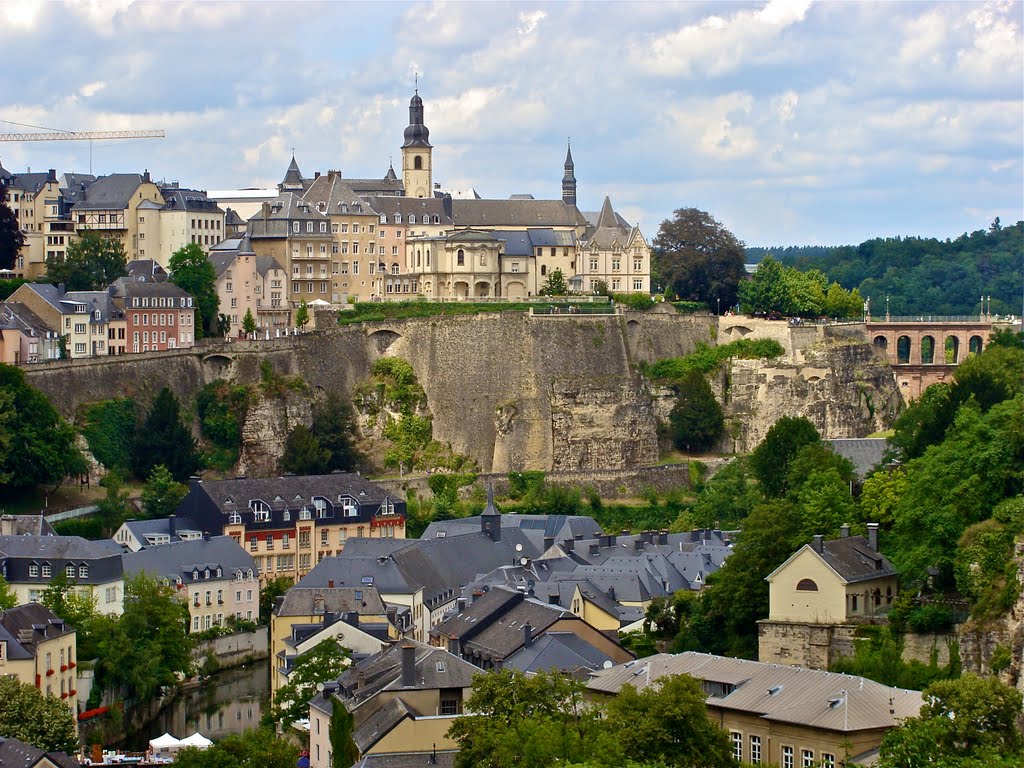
x=229, y=702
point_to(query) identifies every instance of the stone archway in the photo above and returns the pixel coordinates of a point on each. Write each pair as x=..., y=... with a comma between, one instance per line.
x=881, y=342
x=952, y=350
x=515, y=290
x=927, y=350
x=975, y=345
x=482, y=289
x=460, y=289
x=903, y=349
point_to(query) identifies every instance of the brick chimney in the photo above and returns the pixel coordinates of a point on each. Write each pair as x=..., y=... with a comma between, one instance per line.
x=527, y=635
x=818, y=544
x=873, y=536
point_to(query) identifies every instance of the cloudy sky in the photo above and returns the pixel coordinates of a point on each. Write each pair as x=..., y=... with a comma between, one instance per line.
x=791, y=122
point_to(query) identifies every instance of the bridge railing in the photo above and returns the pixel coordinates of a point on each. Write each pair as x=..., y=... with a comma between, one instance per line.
x=930, y=319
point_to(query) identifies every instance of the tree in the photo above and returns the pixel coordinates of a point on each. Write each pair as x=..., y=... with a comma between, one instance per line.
x=37, y=446
x=194, y=273
x=968, y=721
x=148, y=646
x=727, y=498
x=667, y=722
x=161, y=494
x=334, y=426
x=343, y=746
x=78, y=609
x=115, y=507
x=322, y=663
x=770, y=460
x=259, y=748
x=7, y=597
x=223, y=324
x=91, y=263
x=303, y=454
x=302, y=315
x=249, y=322
x=11, y=237
x=696, y=420
x=164, y=439
x=698, y=259
x=555, y=285
x=275, y=588
x=28, y=715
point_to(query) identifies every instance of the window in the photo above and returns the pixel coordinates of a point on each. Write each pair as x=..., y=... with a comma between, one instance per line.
x=806, y=585
x=69, y=571
x=638, y=265
x=323, y=538
x=46, y=570
x=593, y=265
x=270, y=542
x=638, y=285
x=808, y=758
x=252, y=543
x=827, y=760
x=285, y=541
x=461, y=258
x=83, y=571
x=309, y=226
x=787, y=757
x=296, y=227
x=737, y=745
x=755, y=750
x=616, y=265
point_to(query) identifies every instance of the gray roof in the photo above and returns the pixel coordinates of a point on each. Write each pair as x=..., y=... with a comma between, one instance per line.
x=380, y=723
x=307, y=601
x=555, y=526
x=609, y=228
x=293, y=176
x=864, y=453
x=95, y=301
x=18, y=315
x=32, y=623
x=558, y=650
x=112, y=192
x=854, y=560
x=439, y=758
x=30, y=182
x=516, y=213
x=281, y=212
x=18, y=754
x=294, y=490
x=338, y=197
x=125, y=286
x=785, y=694
x=344, y=571
x=66, y=547
x=162, y=525
x=435, y=669
x=177, y=199
x=146, y=269
x=389, y=205
x=182, y=559
x=27, y=525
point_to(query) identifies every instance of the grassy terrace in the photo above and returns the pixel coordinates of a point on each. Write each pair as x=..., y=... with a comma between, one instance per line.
x=398, y=310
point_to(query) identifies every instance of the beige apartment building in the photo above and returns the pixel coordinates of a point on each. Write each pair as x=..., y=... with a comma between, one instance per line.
x=187, y=216
x=250, y=283
x=35, y=200
x=90, y=321
x=121, y=206
x=39, y=649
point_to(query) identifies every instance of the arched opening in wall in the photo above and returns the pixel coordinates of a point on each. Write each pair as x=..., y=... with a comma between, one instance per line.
x=903, y=350
x=427, y=287
x=927, y=350
x=382, y=340
x=975, y=345
x=482, y=289
x=806, y=585
x=952, y=350
x=881, y=342
x=460, y=290
x=515, y=290
x=417, y=163
x=219, y=366
x=738, y=332
x=543, y=269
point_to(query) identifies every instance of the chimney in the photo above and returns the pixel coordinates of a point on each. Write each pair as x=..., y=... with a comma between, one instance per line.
x=663, y=536
x=330, y=583
x=595, y=549
x=873, y=536
x=446, y=203
x=611, y=593
x=352, y=618
x=610, y=540
x=8, y=525
x=461, y=603
x=549, y=541
x=638, y=544
x=569, y=545
x=818, y=543
x=145, y=176
x=579, y=537
x=408, y=665
x=171, y=525
x=527, y=635
x=844, y=531
x=51, y=175
x=330, y=617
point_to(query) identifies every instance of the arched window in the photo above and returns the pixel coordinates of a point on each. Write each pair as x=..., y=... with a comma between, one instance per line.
x=806, y=585
x=412, y=218
x=461, y=258
x=417, y=163
x=543, y=269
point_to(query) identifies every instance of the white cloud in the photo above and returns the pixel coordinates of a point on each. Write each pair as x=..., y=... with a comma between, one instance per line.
x=20, y=15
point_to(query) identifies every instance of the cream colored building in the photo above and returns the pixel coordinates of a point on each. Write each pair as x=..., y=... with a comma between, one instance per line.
x=39, y=649
x=35, y=199
x=250, y=283
x=187, y=216
x=122, y=206
x=614, y=253
x=90, y=321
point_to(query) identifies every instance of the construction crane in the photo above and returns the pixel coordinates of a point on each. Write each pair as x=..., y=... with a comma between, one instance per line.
x=55, y=134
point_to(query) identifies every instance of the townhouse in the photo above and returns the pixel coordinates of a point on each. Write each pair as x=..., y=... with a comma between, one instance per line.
x=157, y=315
x=38, y=648
x=250, y=283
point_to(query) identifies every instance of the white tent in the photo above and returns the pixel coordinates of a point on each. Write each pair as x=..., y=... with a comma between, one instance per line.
x=164, y=745
x=196, y=740
x=319, y=303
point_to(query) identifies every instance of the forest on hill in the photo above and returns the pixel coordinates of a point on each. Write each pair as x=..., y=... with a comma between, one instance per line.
x=922, y=276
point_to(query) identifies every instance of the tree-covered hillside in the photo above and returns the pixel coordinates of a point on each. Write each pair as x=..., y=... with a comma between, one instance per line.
x=923, y=275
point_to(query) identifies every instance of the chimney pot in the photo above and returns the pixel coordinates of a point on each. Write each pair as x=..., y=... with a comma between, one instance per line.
x=844, y=531
x=873, y=536
x=527, y=635
x=595, y=548
x=330, y=583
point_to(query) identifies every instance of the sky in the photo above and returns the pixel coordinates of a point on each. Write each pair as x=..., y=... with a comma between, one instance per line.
x=791, y=122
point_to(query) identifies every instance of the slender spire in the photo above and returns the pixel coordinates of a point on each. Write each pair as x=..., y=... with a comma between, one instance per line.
x=569, y=179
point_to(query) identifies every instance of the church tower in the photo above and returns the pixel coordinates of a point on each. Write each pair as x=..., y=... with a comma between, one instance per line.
x=417, y=176
x=569, y=179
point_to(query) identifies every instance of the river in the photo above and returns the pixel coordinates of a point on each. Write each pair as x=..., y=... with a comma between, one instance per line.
x=231, y=701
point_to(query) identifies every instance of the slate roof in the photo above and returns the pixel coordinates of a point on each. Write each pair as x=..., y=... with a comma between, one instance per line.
x=146, y=269
x=389, y=205
x=345, y=571
x=125, y=287
x=307, y=601
x=29, y=182
x=780, y=693
x=380, y=723
x=178, y=199
x=558, y=650
x=27, y=525
x=609, y=228
x=243, y=489
x=18, y=754
x=435, y=669
x=96, y=301
x=524, y=243
x=284, y=209
x=264, y=264
x=854, y=560
x=517, y=213
x=554, y=526
x=232, y=219
x=335, y=192
x=112, y=192
x=18, y=315
x=180, y=559
x=62, y=547
x=864, y=453
x=441, y=759
x=293, y=176
x=32, y=623
x=51, y=294
x=139, y=528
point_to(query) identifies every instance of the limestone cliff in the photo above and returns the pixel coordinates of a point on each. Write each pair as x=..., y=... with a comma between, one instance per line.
x=267, y=424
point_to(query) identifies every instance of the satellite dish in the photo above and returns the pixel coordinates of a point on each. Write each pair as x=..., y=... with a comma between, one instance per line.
x=519, y=547
x=523, y=561
x=607, y=664
x=319, y=687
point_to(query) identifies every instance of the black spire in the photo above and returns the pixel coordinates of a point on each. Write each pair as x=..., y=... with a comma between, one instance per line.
x=416, y=135
x=569, y=179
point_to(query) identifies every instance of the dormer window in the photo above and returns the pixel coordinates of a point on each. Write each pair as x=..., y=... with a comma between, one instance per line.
x=195, y=575
x=398, y=218
x=320, y=505
x=83, y=571
x=412, y=218
x=305, y=514
x=47, y=572
x=286, y=516
x=260, y=509
x=343, y=208
x=69, y=571
x=220, y=572
x=206, y=573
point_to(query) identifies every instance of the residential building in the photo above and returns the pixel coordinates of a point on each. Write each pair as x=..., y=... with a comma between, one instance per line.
x=612, y=252
x=73, y=319
x=288, y=524
x=187, y=216
x=25, y=337
x=35, y=200
x=158, y=316
x=250, y=283
x=214, y=577
x=30, y=562
x=402, y=700
x=501, y=623
x=18, y=754
x=121, y=206
x=819, y=596
x=779, y=715
x=354, y=616
x=25, y=525
x=38, y=648
x=139, y=534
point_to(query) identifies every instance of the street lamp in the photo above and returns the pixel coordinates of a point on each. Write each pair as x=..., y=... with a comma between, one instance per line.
x=718, y=301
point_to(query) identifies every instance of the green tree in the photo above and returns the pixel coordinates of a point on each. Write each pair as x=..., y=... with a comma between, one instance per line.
x=667, y=722
x=770, y=460
x=42, y=721
x=275, y=587
x=194, y=273
x=91, y=263
x=727, y=498
x=334, y=426
x=7, y=597
x=698, y=259
x=343, y=747
x=11, y=237
x=258, y=748
x=971, y=721
x=303, y=454
x=115, y=507
x=880, y=494
x=555, y=285
x=767, y=290
x=161, y=495
x=109, y=429
x=302, y=315
x=164, y=439
x=37, y=446
x=248, y=322
x=148, y=646
x=696, y=419
x=320, y=664
x=77, y=608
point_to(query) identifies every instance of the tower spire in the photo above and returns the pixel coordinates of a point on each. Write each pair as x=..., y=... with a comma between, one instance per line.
x=569, y=178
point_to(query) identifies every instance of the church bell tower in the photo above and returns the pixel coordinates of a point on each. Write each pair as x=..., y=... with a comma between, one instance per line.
x=417, y=175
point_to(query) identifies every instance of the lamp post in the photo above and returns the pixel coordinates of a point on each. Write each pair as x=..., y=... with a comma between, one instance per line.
x=718, y=302
x=887, y=308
